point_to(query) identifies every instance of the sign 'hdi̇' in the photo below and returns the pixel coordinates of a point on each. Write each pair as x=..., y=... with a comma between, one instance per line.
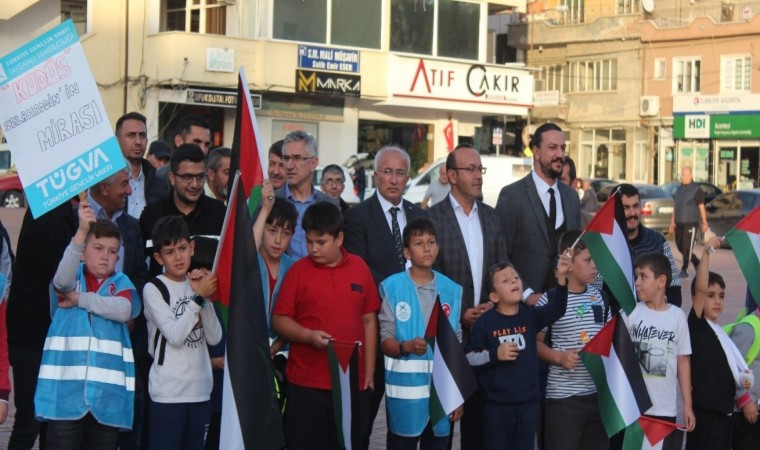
x=54, y=119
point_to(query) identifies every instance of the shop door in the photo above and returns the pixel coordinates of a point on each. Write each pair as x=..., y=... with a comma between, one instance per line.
x=727, y=169
x=749, y=167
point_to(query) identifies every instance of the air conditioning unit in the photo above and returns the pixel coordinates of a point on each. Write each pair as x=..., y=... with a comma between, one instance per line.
x=649, y=105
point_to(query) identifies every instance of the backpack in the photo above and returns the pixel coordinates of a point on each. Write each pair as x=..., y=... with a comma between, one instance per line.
x=159, y=339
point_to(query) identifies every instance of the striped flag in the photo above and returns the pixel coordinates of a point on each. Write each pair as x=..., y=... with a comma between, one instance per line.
x=343, y=359
x=649, y=433
x=453, y=379
x=745, y=242
x=612, y=363
x=250, y=408
x=606, y=237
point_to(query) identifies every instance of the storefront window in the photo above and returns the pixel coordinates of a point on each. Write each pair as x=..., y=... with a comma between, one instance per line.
x=298, y=20
x=344, y=23
x=412, y=26
x=458, y=29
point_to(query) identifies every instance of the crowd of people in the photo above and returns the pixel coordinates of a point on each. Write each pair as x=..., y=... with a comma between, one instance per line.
x=114, y=341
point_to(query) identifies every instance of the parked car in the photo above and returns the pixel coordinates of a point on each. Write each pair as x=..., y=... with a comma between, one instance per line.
x=11, y=192
x=500, y=171
x=598, y=183
x=729, y=208
x=656, y=205
x=711, y=191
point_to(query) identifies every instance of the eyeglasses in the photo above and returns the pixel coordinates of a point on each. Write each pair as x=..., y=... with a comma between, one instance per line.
x=471, y=169
x=295, y=158
x=387, y=173
x=330, y=182
x=188, y=178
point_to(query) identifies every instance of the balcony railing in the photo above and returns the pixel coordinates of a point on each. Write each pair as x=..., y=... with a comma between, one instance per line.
x=720, y=12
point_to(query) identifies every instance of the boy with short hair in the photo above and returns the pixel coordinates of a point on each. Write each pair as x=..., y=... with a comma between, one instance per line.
x=660, y=338
x=181, y=322
x=272, y=232
x=573, y=420
x=502, y=349
x=718, y=369
x=330, y=295
x=89, y=303
x=408, y=300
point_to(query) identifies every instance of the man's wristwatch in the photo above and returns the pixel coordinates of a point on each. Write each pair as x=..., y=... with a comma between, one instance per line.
x=199, y=300
x=401, y=350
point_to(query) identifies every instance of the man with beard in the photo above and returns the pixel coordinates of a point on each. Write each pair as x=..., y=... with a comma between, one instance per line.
x=276, y=168
x=536, y=210
x=218, y=173
x=132, y=134
x=645, y=240
x=204, y=215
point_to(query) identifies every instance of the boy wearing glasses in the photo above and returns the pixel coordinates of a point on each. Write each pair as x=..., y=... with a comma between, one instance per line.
x=204, y=215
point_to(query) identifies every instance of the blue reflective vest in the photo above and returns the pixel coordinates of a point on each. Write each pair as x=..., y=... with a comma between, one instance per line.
x=87, y=362
x=408, y=378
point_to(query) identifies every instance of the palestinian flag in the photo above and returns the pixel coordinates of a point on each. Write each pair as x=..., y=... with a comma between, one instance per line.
x=650, y=433
x=343, y=359
x=453, y=379
x=744, y=238
x=248, y=155
x=612, y=362
x=606, y=237
x=250, y=408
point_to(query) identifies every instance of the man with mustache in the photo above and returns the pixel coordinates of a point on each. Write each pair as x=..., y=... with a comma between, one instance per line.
x=470, y=241
x=204, y=215
x=536, y=210
x=276, y=168
x=645, y=240
x=218, y=173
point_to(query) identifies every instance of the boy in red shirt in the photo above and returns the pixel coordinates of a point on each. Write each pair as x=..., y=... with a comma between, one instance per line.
x=330, y=295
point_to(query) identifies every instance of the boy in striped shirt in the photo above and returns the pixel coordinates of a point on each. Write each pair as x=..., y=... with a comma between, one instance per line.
x=572, y=413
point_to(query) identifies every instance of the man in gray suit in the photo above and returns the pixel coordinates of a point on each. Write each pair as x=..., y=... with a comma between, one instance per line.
x=536, y=210
x=470, y=241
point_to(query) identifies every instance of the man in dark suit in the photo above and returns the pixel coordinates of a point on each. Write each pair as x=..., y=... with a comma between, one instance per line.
x=536, y=210
x=470, y=241
x=373, y=231
x=132, y=134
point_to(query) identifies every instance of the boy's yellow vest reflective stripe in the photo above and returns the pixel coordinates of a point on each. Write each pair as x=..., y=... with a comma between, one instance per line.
x=754, y=321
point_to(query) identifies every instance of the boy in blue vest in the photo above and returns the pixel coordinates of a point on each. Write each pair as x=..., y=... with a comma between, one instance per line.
x=408, y=300
x=181, y=322
x=86, y=384
x=502, y=349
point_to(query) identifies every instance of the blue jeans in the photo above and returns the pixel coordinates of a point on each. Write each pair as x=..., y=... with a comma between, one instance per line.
x=178, y=426
x=85, y=434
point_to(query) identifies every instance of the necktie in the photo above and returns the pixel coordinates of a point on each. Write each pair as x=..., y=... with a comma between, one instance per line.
x=552, y=210
x=397, y=235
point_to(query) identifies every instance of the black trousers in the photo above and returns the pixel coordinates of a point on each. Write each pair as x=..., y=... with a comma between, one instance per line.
x=712, y=431
x=746, y=436
x=686, y=234
x=82, y=434
x=26, y=368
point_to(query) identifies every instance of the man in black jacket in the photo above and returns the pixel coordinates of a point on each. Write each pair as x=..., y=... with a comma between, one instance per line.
x=132, y=134
x=204, y=215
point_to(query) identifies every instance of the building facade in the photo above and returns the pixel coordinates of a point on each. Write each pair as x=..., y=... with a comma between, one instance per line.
x=358, y=74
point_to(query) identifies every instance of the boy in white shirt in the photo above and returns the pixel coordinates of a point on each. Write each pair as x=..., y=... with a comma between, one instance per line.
x=180, y=324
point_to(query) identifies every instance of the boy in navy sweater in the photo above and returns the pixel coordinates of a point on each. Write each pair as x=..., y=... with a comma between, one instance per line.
x=502, y=349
